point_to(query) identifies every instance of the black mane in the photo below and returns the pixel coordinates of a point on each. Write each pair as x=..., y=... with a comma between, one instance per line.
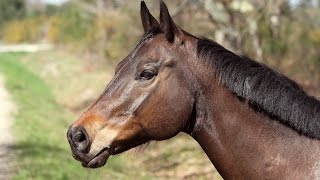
x=264, y=89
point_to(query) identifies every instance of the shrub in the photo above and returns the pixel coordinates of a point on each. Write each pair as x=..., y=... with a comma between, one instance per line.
x=26, y=30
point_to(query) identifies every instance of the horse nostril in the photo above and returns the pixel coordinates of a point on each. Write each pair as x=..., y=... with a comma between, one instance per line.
x=79, y=139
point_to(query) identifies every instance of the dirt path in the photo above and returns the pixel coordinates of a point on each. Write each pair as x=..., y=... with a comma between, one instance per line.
x=31, y=48
x=7, y=109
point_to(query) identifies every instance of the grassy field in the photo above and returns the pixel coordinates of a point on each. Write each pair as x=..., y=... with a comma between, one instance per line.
x=51, y=89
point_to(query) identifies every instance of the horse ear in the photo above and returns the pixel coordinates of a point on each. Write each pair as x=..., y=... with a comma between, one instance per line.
x=148, y=21
x=167, y=24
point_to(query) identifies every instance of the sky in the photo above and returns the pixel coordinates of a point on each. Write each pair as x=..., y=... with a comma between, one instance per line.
x=54, y=1
x=294, y=2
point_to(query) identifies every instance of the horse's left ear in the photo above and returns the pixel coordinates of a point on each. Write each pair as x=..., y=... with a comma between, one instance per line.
x=170, y=29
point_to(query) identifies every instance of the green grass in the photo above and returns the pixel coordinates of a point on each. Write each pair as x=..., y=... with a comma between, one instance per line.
x=40, y=127
x=72, y=80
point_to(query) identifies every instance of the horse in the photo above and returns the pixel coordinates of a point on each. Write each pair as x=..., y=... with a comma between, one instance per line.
x=251, y=121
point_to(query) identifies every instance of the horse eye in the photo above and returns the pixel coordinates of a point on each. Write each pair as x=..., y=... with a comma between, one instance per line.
x=146, y=75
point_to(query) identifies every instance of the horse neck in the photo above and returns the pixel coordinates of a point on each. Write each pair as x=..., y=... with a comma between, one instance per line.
x=241, y=142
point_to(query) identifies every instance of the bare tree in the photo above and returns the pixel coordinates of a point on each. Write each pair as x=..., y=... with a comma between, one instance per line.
x=239, y=19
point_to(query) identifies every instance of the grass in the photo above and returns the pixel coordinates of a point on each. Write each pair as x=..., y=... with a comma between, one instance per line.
x=40, y=127
x=72, y=80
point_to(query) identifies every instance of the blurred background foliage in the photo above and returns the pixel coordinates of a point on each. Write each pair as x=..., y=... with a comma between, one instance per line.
x=91, y=36
x=283, y=33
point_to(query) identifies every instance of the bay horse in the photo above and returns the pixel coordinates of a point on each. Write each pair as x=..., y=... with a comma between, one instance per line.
x=251, y=121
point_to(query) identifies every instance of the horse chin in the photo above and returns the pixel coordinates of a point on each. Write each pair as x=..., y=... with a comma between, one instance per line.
x=125, y=146
x=99, y=160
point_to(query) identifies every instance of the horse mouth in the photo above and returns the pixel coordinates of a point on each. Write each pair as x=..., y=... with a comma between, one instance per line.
x=99, y=160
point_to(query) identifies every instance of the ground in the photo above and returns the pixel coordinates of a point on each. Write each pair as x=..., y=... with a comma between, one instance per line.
x=7, y=109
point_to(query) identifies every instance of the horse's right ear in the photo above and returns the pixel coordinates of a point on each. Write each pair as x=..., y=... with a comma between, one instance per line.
x=148, y=21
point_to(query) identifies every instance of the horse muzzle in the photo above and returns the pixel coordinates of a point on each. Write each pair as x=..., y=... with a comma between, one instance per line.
x=80, y=145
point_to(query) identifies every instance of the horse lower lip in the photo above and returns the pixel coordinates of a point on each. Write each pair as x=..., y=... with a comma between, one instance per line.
x=99, y=160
